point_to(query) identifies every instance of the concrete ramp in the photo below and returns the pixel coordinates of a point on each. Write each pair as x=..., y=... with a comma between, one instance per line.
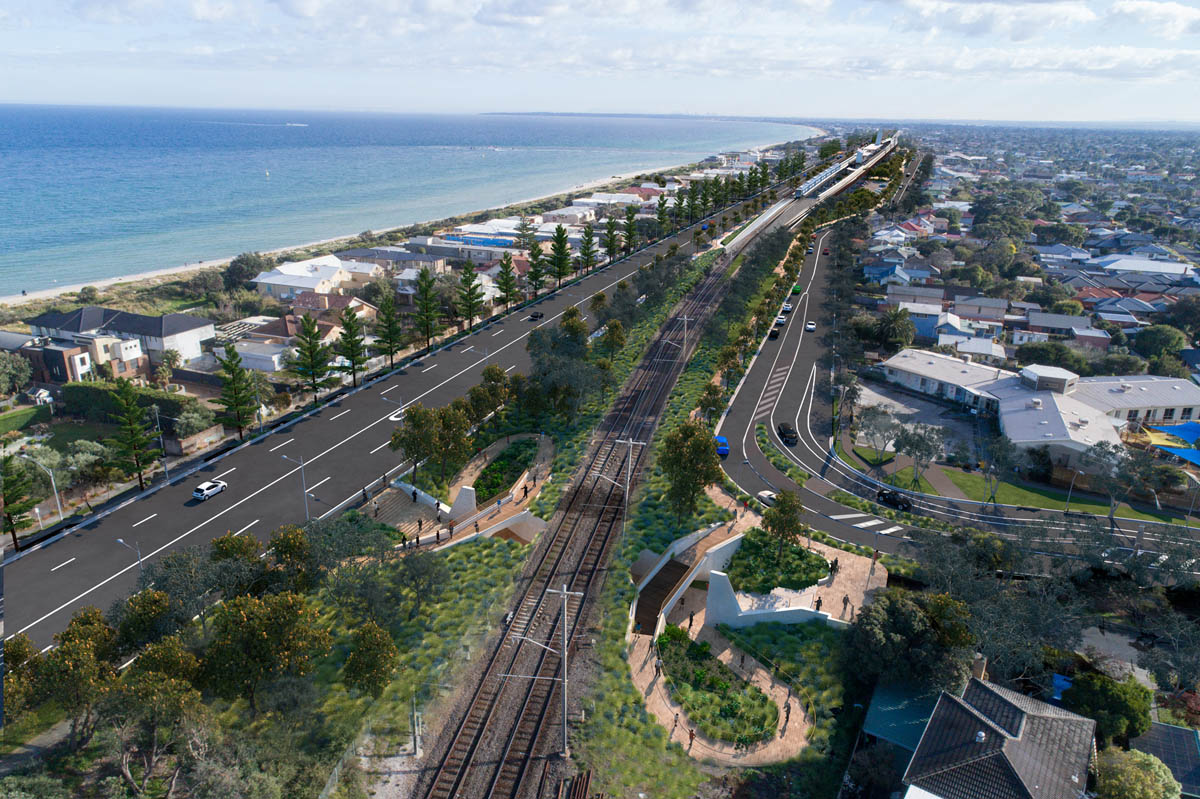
x=657, y=591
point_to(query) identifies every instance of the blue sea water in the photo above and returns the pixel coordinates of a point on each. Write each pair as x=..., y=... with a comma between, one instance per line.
x=92, y=193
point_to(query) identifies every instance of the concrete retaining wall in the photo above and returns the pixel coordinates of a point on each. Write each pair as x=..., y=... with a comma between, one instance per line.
x=722, y=607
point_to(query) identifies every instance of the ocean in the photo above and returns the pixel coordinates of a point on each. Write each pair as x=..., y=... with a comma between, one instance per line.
x=94, y=193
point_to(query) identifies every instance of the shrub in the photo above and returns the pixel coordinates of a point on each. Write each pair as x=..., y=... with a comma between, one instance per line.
x=499, y=475
x=758, y=566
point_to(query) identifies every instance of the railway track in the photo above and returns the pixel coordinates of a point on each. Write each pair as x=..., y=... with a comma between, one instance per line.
x=488, y=749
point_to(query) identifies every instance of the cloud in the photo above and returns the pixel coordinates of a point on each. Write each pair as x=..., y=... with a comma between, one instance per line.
x=1172, y=19
x=1017, y=21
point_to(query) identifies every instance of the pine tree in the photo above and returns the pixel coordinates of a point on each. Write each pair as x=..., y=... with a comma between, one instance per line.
x=237, y=394
x=631, y=235
x=506, y=281
x=526, y=233
x=352, y=345
x=662, y=216
x=587, y=249
x=612, y=240
x=469, y=301
x=310, y=364
x=428, y=309
x=389, y=333
x=560, y=255
x=134, y=439
x=536, y=276
x=16, y=489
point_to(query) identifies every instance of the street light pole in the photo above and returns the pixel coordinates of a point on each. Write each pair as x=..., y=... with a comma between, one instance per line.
x=303, y=484
x=162, y=444
x=135, y=548
x=53, y=485
x=566, y=749
x=1069, y=490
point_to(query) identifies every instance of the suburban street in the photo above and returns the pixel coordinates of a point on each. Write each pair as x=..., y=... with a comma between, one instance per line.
x=343, y=447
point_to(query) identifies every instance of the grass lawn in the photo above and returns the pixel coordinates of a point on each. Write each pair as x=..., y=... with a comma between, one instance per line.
x=730, y=236
x=62, y=435
x=719, y=703
x=867, y=455
x=29, y=725
x=972, y=485
x=904, y=479
x=23, y=417
x=809, y=657
x=758, y=567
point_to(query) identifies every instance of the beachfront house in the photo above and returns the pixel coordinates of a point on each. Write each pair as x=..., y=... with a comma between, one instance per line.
x=395, y=259
x=183, y=333
x=323, y=275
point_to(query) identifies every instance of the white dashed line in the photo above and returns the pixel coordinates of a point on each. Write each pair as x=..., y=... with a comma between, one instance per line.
x=323, y=482
x=284, y=444
x=227, y=471
x=64, y=563
x=848, y=516
x=427, y=368
x=509, y=369
x=381, y=446
x=247, y=527
x=891, y=530
x=869, y=523
x=386, y=390
x=498, y=332
x=143, y=521
x=340, y=415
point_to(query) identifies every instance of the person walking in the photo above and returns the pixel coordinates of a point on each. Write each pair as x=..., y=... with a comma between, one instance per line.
x=420, y=524
x=375, y=507
x=657, y=668
x=414, y=495
x=364, y=493
x=818, y=605
x=691, y=618
x=691, y=738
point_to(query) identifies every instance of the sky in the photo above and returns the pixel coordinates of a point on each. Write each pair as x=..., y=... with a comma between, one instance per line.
x=1040, y=60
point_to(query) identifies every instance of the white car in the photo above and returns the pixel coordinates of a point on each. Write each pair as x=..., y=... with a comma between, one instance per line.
x=767, y=498
x=787, y=307
x=780, y=320
x=209, y=489
x=810, y=326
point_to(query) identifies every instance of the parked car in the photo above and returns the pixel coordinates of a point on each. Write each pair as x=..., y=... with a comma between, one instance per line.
x=773, y=333
x=536, y=315
x=767, y=498
x=797, y=289
x=788, y=434
x=209, y=489
x=810, y=326
x=787, y=307
x=722, y=445
x=894, y=499
x=810, y=250
x=780, y=320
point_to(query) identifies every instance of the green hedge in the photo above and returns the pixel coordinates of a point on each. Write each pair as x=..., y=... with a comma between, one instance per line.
x=23, y=417
x=94, y=400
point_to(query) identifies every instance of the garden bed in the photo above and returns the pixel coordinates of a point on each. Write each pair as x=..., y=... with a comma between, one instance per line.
x=499, y=475
x=758, y=566
x=719, y=703
x=777, y=458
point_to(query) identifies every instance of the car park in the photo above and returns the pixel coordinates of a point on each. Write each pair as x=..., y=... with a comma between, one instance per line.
x=780, y=320
x=722, y=445
x=894, y=499
x=810, y=326
x=773, y=333
x=788, y=434
x=787, y=307
x=536, y=315
x=767, y=498
x=209, y=489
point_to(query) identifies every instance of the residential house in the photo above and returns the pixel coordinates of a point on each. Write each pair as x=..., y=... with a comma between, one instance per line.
x=997, y=743
x=183, y=333
x=329, y=307
x=572, y=214
x=286, y=328
x=924, y=317
x=1061, y=255
x=58, y=361
x=978, y=348
x=396, y=258
x=1125, y=264
x=361, y=273
x=990, y=309
x=920, y=294
x=1179, y=749
x=323, y=275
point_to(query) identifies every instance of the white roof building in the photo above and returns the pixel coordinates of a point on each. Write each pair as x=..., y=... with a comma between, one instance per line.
x=323, y=275
x=1124, y=264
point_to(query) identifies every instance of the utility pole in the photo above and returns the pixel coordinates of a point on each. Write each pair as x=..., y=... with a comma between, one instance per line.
x=162, y=444
x=566, y=749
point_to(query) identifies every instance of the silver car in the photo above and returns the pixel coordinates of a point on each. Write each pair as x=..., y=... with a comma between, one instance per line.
x=209, y=489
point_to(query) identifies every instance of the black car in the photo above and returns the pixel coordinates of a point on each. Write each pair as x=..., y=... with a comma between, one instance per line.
x=894, y=500
x=788, y=434
x=774, y=333
x=536, y=315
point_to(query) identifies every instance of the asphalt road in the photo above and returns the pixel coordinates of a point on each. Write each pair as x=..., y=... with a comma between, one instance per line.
x=343, y=447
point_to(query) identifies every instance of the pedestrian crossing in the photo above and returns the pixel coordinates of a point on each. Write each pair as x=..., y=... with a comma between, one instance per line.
x=774, y=385
x=868, y=522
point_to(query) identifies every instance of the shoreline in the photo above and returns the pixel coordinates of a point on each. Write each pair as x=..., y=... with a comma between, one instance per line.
x=16, y=300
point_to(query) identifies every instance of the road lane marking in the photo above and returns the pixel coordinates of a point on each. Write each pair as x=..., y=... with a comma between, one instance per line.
x=64, y=563
x=316, y=485
x=143, y=521
x=426, y=369
x=340, y=415
x=848, y=516
x=284, y=444
x=468, y=349
x=870, y=523
x=287, y=474
x=227, y=471
x=381, y=446
x=386, y=390
x=498, y=332
x=891, y=530
x=247, y=527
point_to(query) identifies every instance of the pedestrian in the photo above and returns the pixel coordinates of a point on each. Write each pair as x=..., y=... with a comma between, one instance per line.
x=691, y=618
x=417, y=543
x=364, y=493
x=383, y=480
x=682, y=600
x=375, y=506
x=787, y=713
x=637, y=628
x=439, y=515
x=403, y=540
x=526, y=489
x=834, y=568
x=477, y=526
x=691, y=737
x=497, y=506
x=438, y=534
x=676, y=724
x=658, y=668
x=818, y=605
x=845, y=601
x=742, y=662
x=452, y=529
x=420, y=524
x=414, y=495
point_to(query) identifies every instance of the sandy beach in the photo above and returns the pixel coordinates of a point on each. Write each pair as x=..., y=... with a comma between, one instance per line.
x=177, y=271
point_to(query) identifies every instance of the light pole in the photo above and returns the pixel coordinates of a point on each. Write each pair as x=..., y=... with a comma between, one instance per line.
x=162, y=444
x=1069, y=490
x=53, y=485
x=303, y=483
x=135, y=548
x=566, y=750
